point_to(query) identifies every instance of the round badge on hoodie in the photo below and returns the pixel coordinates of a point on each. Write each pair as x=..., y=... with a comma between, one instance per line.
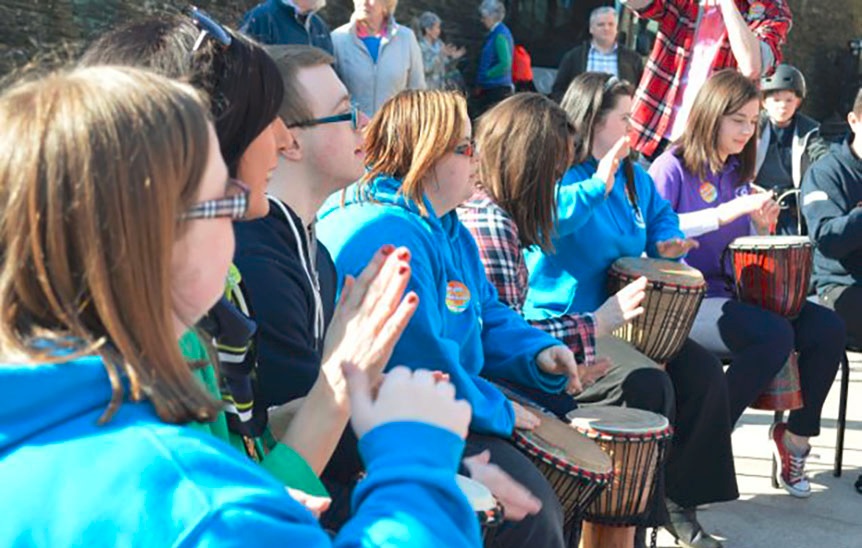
x=457, y=297
x=708, y=192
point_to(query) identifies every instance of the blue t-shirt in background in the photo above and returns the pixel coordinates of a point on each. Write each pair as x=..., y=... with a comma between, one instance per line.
x=372, y=44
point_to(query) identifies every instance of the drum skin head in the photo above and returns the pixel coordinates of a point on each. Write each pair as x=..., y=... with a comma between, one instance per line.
x=769, y=241
x=659, y=270
x=480, y=497
x=617, y=420
x=557, y=438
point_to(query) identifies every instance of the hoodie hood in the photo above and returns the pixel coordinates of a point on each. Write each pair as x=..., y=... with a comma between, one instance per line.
x=386, y=190
x=41, y=396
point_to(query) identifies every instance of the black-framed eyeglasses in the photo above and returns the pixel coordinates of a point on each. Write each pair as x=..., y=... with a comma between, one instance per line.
x=466, y=149
x=234, y=207
x=208, y=26
x=351, y=116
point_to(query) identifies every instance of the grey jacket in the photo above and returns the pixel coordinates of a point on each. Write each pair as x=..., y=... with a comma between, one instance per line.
x=399, y=65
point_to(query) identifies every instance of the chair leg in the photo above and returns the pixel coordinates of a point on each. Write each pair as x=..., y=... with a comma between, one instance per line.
x=842, y=415
x=778, y=417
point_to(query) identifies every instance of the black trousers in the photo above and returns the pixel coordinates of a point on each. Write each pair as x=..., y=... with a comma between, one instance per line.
x=757, y=342
x=545, y=529
x=692, y=394
x=485, y=98
x=846, y=300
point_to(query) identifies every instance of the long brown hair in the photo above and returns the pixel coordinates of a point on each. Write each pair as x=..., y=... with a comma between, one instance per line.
x=519, y=168
x=724, y=93
x=410, y=133
x=589, y=99
x=99, y=164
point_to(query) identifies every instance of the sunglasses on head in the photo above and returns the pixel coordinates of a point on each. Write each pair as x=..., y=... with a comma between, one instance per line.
x=351, y=116
x=234, y=206
x=208, y=27
x=466, y=149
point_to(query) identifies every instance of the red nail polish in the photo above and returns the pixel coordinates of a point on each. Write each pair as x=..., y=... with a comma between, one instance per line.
x=388, y=249
x=404, y=255
x=412, y=299
x=403, y=270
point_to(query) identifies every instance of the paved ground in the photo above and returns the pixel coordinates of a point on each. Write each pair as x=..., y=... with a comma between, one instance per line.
x=764, y=517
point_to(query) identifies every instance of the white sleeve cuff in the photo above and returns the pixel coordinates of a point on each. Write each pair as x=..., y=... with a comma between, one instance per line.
x=699, y=222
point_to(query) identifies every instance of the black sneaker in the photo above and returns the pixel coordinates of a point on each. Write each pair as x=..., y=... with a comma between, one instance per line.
x=684, y=527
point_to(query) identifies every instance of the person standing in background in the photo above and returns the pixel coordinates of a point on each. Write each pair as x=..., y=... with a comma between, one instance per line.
x=376, y=57
x=600, y=54
x=440, y=59
x=282, y=22
x=494, y=74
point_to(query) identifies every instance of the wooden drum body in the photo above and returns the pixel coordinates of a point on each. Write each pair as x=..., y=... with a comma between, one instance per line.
x=577, y=471
x=636, y=441
x=673, y=296
x=772, y=272
x=488, y=511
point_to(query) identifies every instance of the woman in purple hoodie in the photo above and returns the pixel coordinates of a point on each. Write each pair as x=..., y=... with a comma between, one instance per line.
x=706, y=178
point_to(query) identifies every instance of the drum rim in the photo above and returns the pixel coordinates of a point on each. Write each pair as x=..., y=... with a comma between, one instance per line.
x=655, y=435
x=763, y=242
x=633, y=276
x=662, y=431
x=699, y=287
x=566, y=466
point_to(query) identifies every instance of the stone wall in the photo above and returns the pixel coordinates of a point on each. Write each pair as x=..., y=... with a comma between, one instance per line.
x=46, y=29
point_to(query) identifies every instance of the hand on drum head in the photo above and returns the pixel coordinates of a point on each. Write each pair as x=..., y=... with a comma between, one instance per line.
x=370, y=315
x=610, y=163
x=524, y=419
x=405, y=395
x=315, y=505
x=621, y=308
x=559, y=360
x=675, y=247
x=517, y=501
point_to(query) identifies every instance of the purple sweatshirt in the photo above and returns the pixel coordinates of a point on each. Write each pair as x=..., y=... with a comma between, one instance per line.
x=687, y=193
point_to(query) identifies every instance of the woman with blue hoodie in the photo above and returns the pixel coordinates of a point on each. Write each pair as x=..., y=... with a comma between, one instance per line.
x=607, y=210
x=421, y=166
x=116, y=236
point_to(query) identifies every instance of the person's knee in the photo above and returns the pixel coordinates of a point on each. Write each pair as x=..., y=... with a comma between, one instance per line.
x=649, y=389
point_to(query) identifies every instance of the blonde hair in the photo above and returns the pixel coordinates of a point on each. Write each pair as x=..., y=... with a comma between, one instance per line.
x=100, y=163
x=520, y=169
x=410, y=133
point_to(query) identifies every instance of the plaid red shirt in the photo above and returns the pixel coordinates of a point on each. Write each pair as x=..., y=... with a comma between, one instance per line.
x=497, y=238
x=770, y=20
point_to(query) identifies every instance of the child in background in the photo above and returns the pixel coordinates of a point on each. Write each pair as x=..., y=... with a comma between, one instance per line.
x=789, y=143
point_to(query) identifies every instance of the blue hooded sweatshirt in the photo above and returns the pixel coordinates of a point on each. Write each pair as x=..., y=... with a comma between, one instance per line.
x=460, y=326
x=137, y=481
x=593, y=232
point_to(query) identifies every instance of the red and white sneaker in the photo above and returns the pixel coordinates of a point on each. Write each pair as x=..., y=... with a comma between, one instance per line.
x=791, y=470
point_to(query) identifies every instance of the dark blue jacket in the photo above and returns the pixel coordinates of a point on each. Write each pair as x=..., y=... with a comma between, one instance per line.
x=276, y=22
x=278, y=290
x=831, y=198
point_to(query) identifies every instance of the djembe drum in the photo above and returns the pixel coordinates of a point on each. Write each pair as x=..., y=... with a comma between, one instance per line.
x=774, y=272
x=488, y=511
x=673, y=295
x=636, y=442
x=575, y=467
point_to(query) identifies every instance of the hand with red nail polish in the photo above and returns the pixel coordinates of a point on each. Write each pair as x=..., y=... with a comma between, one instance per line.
x=370, y=316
